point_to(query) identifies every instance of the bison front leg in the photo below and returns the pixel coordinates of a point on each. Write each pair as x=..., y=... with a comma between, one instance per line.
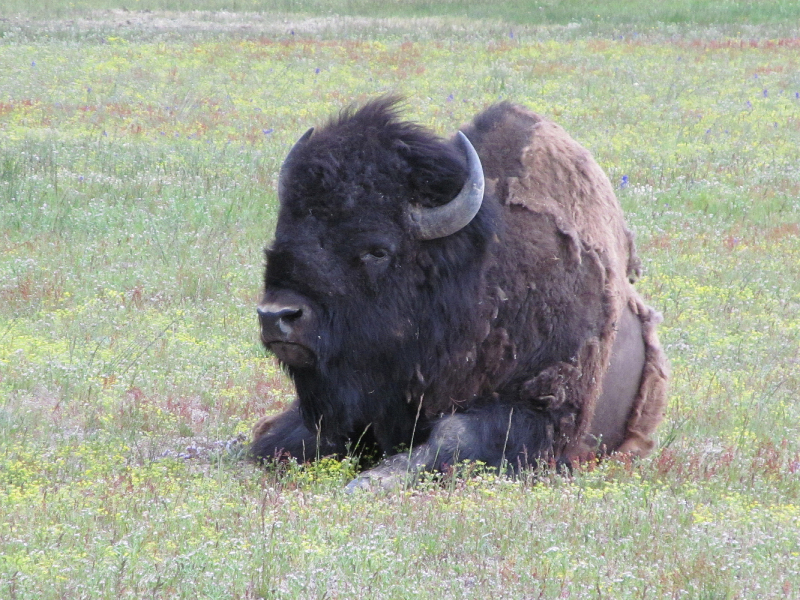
x=508, y=437
x=285, y=435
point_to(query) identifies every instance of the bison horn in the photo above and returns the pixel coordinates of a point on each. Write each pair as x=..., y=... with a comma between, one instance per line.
x=441, y=221
x=288, y=162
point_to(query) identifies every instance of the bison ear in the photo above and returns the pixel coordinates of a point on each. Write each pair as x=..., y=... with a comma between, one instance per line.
x=441, y=221
x=287, y=163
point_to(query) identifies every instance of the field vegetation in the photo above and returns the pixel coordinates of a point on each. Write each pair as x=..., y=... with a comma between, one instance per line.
x=139, y=149
x=538, y=12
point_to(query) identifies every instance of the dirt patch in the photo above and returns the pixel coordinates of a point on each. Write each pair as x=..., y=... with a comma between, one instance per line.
x=148, y=24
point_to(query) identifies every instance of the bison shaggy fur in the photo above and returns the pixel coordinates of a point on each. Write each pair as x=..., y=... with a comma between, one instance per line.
x=516, y=339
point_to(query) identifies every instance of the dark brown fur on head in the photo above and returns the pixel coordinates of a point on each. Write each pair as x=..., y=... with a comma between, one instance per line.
x=388, y=327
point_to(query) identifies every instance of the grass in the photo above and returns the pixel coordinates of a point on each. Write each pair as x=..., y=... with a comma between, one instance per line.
x=137, y=173
x=539, y=12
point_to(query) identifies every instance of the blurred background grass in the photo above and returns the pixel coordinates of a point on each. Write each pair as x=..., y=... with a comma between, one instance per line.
x=530, y=12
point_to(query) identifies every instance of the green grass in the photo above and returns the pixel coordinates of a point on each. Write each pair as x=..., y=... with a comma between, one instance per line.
x=530, y=12
x=137, y=176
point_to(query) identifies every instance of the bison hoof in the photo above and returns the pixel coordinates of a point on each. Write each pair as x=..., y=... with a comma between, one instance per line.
x=372, y=482
x=360, y=484
x=393, y=474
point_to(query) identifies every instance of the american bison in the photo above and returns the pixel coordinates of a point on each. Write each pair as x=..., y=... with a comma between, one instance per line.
x=468, y=299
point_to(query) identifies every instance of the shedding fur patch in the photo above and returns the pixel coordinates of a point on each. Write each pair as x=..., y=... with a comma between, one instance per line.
x=650, y=403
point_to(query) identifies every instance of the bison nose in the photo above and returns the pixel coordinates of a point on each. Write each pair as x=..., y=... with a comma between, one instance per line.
x=277, y=322
x=285, y=320
x=288, y=330
x=279, y=318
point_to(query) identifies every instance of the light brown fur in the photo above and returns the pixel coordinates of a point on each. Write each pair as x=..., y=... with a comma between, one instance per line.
x=557, y=176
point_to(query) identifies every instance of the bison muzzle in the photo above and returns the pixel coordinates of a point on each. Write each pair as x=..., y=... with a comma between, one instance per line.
x=469, y=299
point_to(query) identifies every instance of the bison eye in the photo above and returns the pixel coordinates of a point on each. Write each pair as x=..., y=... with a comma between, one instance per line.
x=374, y=263
x=375, y=255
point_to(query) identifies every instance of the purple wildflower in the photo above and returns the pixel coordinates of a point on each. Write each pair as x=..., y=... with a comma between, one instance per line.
x=624, y=182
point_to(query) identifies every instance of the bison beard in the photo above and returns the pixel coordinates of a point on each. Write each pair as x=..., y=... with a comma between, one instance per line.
x=512, y=339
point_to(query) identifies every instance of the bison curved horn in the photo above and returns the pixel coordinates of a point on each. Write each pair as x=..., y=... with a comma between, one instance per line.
x=441, y=221
x=288, y=161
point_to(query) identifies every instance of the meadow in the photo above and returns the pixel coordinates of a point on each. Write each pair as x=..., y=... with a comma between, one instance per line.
x=139, y=150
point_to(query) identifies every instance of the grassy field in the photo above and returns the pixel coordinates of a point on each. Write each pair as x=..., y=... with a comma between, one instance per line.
x=539, y=12
x=138, y=162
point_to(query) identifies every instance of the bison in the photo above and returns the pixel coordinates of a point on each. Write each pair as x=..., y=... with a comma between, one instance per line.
x=449, y=300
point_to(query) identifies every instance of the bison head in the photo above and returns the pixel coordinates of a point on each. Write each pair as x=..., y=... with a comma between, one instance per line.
x=373, y=278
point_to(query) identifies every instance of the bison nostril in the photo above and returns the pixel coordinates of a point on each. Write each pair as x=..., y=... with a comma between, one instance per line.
x=289, y=314
x=279, y=319
x=297, y=314
x=285, y=318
